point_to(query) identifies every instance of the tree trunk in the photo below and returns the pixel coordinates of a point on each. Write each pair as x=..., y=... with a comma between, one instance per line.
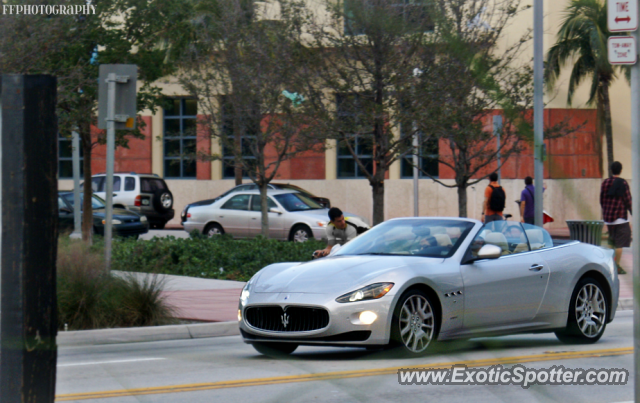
x=606, y=108
x=377, y=187
x=264, y=209
x=237, y=149
x=462, y=200
x=87, y=211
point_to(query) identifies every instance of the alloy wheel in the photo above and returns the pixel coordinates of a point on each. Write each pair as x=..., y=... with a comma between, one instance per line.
x=591, y=310
x=416, y=323
x=166, y=201
x=300, y=236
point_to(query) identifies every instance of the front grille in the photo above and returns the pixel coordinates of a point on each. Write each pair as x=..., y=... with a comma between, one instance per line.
x=297, y=319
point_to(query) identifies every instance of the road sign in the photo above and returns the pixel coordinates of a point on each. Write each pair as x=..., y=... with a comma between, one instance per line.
x=622, y=50
x=125, y=101
x=622, y=15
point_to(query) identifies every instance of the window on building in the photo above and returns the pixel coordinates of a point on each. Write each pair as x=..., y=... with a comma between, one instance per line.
x=180, y=138
x=428, y=161
x=250, y=119
x=412, y=15
x=65, y=158
x=350, y=109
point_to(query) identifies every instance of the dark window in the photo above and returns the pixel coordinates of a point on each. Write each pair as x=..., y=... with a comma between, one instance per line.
x=239, y=202
x=412, y=15
x=149, y=185
x=255, y=203
x=249, y=117
x=129, y=184
x=97, y=184
x=116, y=183
x=65, y=158
x=428, y=161
x=351, y=113
x=180, y=138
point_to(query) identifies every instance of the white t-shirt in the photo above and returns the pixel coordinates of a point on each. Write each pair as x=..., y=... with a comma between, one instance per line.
x=342, y=236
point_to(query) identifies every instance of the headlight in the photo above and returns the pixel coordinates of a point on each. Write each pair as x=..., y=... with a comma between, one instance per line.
x=114, y=222
x=143, y=218
x=322, y=224
x=373, y=291
x=246, y=291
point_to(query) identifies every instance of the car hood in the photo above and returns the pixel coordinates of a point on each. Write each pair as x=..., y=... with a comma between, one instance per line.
x=334, y=275
x=118, y=213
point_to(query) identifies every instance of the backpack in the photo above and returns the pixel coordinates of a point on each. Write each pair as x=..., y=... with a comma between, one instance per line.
x=497, y=199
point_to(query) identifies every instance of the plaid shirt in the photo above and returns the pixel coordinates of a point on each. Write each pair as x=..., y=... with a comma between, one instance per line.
x=614, y=207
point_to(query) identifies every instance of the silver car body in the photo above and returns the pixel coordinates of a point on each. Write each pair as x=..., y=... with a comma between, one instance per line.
x=247, y=223
x=482, y=298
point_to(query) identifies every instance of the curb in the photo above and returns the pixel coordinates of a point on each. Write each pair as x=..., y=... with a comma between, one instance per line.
x=145, y=334
x=176, y=332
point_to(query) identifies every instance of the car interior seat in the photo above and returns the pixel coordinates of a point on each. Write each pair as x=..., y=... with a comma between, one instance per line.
x=536, y=238
x=443, y=239
x=498, y=239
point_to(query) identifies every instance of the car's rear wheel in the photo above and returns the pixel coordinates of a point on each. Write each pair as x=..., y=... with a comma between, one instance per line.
x=275, y=349
x=213, y=229
x=588, y=312
x=414, y=326
x=300, y=233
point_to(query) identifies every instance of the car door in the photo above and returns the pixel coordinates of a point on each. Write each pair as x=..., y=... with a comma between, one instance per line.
x=276, y=222
x=507, y=290
x=234, y=215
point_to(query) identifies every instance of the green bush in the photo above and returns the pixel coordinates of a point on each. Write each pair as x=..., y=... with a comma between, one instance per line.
x=90, y=298
x=219, y=257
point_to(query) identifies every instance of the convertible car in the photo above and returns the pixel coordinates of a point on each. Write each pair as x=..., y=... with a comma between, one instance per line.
x=410, y=282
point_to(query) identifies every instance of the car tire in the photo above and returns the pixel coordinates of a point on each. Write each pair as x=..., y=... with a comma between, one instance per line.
x=416, y=314
x=163, y=200
x=590, y=299
x=300, y=233
x=212, y=230
x=275, y=349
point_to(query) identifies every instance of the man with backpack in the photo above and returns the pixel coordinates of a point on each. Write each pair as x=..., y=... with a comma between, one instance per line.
x=615, y=199
x=340, y=230
x=494, y=200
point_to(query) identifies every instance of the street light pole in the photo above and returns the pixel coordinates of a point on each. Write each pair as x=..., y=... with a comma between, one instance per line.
x=538, y=107
x=416, y=149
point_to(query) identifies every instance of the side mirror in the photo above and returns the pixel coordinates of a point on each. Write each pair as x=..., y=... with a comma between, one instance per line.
x=489, y=252
x=275, y=210
x=335, y=249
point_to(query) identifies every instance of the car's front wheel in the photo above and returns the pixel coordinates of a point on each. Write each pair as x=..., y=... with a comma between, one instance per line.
x=588, y=312
x=300, y=233
x=414, y=326
x=213, y=229
x=275, y=349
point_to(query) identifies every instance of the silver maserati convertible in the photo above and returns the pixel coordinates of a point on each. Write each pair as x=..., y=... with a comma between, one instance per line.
x=410, y=282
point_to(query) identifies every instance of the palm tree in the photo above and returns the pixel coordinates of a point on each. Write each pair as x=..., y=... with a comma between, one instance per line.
x=582, y=40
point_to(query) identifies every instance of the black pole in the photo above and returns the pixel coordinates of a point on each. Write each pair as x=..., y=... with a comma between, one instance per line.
x=28, y=322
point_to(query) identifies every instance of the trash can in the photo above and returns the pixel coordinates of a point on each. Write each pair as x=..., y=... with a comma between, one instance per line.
x=586, y=231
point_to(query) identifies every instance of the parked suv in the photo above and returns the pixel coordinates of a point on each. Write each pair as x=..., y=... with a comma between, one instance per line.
x=148, y=192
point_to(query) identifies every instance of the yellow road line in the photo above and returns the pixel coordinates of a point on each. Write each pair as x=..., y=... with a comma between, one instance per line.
x=340, y=374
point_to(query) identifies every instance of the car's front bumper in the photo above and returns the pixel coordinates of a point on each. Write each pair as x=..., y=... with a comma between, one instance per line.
x=344, y=326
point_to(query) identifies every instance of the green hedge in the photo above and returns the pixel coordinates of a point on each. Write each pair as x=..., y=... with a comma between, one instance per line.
x=219, y=257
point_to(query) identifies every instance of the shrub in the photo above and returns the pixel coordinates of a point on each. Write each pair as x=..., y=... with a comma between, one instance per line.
x=219, y=257
x=90, y=298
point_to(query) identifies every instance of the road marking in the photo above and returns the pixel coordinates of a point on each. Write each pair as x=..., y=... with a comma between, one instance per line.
x=109, y=362
x=340, y=374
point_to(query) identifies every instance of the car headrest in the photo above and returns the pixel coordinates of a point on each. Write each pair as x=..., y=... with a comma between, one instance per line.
x=498, y=239
x=443, y=239
x=535, y=236
x=438, y=230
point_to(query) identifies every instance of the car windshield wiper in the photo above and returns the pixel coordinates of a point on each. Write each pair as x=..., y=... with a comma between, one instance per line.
x=378, y=254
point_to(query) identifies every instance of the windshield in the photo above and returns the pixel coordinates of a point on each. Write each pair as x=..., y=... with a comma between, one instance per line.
x=297, y=189
x=96, y=202
x=418, y=237
x=297, y=202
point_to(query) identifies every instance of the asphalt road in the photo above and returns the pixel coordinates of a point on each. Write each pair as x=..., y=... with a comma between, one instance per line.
x=225, y=369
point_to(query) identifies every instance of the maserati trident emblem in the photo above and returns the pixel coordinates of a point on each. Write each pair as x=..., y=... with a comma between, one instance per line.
x=285, y=319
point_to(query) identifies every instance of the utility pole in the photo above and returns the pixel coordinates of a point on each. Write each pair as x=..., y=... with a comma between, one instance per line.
x=77, y=203
x=538, y=108
x=497, y=130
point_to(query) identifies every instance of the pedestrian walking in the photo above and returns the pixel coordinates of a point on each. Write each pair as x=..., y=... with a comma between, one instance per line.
x=615, y=199
x=494, y=200
x=527, y=201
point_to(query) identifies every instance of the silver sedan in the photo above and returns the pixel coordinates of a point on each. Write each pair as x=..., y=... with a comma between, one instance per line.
x=412, y=281
x=292, y=216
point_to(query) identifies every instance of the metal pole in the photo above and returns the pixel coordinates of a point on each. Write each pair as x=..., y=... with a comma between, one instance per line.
x=635, y=218
x=497, y=130
x=416, y=161
x=77, y=216
x=538, y=107
x=111, y=140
